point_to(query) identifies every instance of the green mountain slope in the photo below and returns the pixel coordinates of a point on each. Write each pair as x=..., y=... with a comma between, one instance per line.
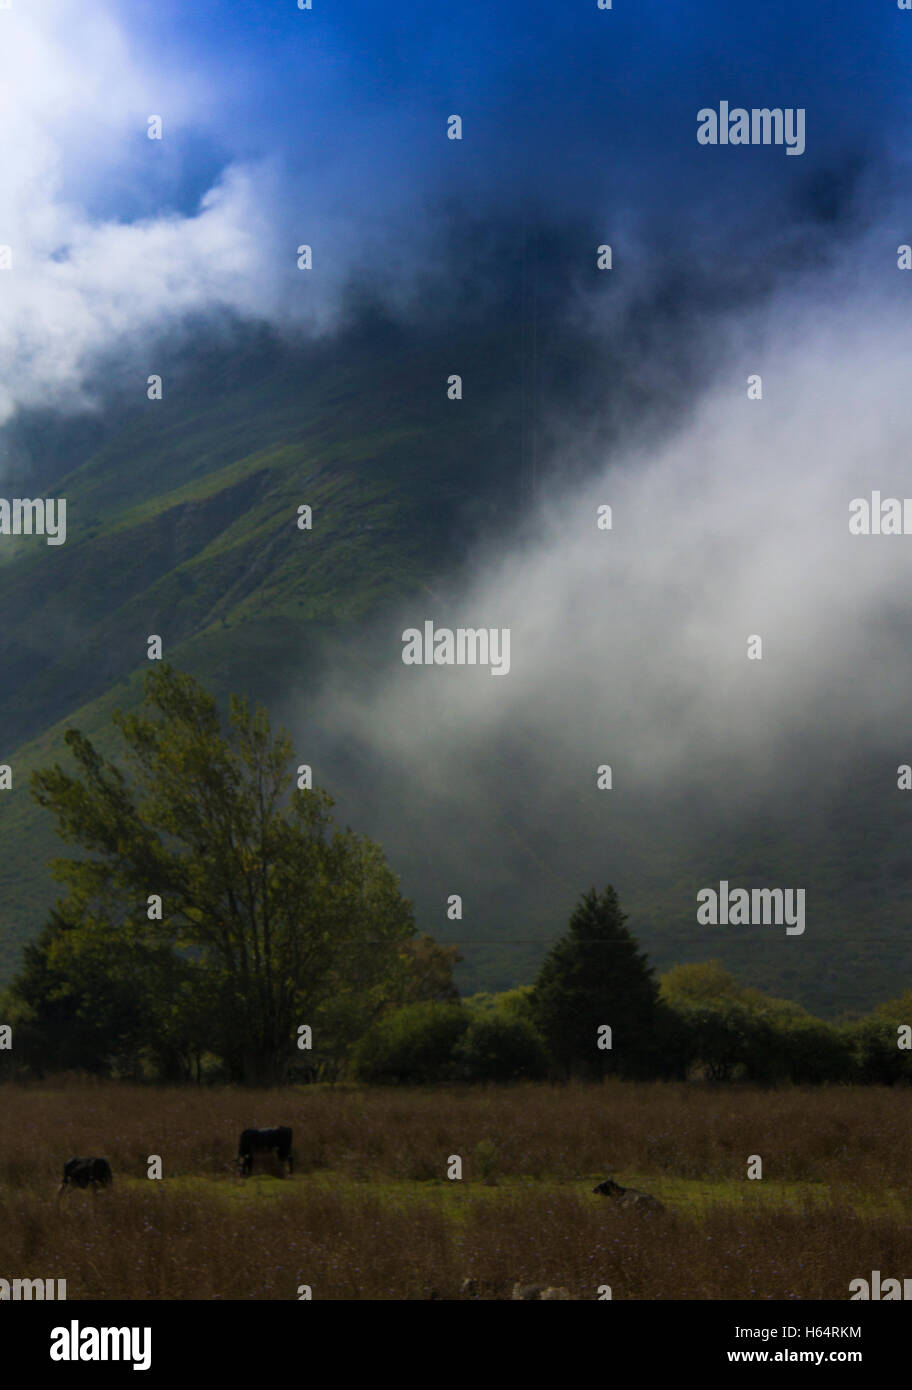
x=183, y=522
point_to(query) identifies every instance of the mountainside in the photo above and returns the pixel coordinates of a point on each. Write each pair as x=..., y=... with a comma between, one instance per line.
x=182, y=522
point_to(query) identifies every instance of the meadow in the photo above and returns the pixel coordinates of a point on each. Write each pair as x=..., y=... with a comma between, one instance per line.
x=370, y=1213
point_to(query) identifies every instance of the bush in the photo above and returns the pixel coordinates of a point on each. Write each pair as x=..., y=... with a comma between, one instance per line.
x=512, y=1003
x=878, y=1057
x=500, y=1047
x=674, y=1047
x=413, y=1045
x=721, y=1035
x=799, y=1048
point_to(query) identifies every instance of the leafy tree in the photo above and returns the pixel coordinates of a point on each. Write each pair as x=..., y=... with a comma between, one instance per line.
x=427, y=972
x=790, y=1044
x=597, y=975
x=422, y=971
x=78, y=1009
x=898, y=1010
x=696, y=981
x=737, y=1032
x=268, y=910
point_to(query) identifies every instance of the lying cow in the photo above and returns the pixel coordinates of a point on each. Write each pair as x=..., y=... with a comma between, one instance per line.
x=628, y=1196
x=86, y=1172
x=261, y=1141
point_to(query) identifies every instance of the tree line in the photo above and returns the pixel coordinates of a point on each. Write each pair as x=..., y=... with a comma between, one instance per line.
x=218, y=924
x=596, y=1010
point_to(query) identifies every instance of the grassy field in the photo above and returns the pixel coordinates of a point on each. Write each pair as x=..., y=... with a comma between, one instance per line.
x=370, y=1213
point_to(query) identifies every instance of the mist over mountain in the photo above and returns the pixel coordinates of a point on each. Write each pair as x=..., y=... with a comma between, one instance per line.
x=628, y=646
x=581, y=388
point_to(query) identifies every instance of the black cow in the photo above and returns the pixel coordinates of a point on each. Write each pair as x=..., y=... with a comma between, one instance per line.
x=87, y=1172
x=261, y=1140
x=628, y=1196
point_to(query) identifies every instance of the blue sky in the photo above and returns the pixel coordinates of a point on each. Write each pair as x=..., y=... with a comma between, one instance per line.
x=328, y=127
x=563, y=100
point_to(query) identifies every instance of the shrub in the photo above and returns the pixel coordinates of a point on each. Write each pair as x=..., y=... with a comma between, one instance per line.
x=721, y=1035
x=501, y=1047
x=799, y=1048
x=878, y=1056
x=415, y=1044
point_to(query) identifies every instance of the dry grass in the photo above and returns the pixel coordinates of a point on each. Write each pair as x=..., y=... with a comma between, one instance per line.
x=370, y=1214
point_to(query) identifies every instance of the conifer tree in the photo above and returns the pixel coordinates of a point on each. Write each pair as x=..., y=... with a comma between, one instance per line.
x=595, y=976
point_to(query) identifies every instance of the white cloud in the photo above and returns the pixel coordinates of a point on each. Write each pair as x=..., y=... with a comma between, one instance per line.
x=630, y=646
x=75, y=95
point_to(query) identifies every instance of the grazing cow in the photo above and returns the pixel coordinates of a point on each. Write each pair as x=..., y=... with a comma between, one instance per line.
x=262, y=1140
x=86, y=1172
x=628, y=1196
